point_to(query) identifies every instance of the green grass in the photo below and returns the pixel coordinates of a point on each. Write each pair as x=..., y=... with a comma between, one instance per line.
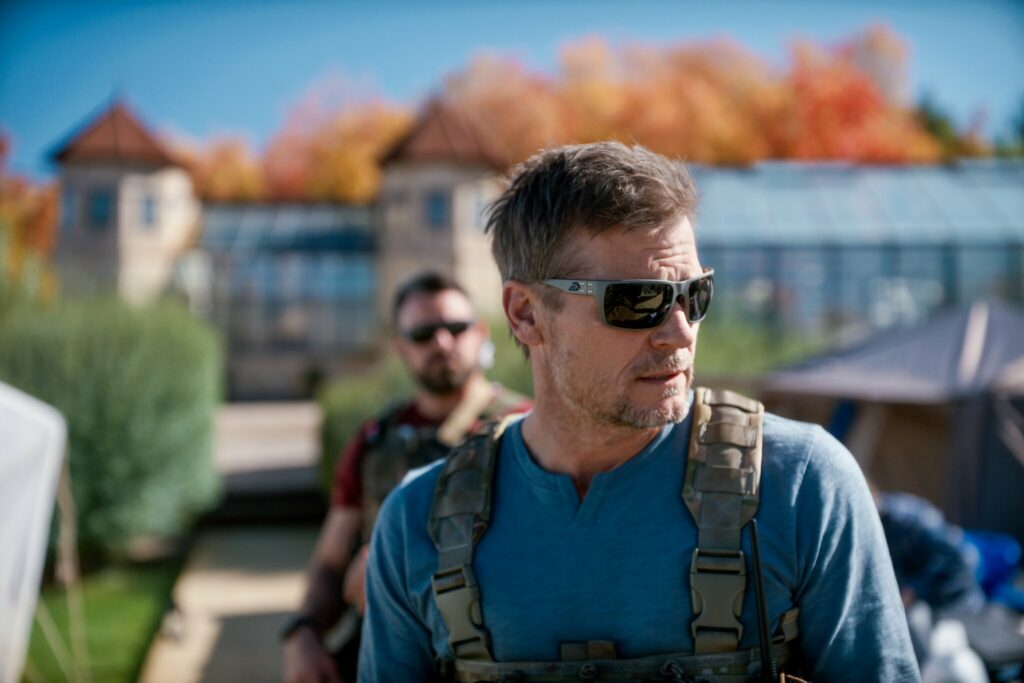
x=123, y=606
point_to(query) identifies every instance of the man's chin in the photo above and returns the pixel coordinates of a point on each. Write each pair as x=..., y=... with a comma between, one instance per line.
x=443, y=383
x=670, y=410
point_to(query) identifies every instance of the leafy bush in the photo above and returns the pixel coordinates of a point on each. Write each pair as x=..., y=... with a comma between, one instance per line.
x=348, y=402
x=731, y=347
x=138, y=387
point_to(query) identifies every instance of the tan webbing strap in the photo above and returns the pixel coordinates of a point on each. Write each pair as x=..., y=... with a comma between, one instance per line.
x=459, y=515
x=723, y=472
x=480, y=395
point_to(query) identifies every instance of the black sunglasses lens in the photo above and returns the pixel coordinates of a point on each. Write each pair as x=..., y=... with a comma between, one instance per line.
x=637, y=305
x=425, y=333
x=698, y=299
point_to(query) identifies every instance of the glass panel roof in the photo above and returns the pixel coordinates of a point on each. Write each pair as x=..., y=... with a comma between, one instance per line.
x=806, y=204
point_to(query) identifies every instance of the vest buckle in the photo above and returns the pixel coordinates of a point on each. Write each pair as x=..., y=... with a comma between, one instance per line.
x=718, y=580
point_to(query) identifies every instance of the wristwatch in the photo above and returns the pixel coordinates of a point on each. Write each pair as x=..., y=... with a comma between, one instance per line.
x=295, y=623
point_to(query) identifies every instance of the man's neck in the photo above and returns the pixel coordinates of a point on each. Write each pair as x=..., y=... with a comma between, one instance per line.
x=439, y=406
x=577, y=446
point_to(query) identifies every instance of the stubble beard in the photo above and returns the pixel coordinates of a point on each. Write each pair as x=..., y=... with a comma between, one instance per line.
x=621, y=411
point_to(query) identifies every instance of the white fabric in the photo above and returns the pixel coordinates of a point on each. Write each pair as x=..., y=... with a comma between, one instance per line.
x=33, y=437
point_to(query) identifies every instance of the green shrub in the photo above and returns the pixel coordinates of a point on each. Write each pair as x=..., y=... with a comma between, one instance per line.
x=138, y=387
x=510, y=365
x=350, y=401
x=729, y=346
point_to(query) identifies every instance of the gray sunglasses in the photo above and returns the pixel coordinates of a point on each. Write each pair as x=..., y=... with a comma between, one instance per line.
x=644, y=304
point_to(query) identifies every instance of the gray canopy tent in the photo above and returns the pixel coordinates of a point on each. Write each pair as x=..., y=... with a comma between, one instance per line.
x=936, y=410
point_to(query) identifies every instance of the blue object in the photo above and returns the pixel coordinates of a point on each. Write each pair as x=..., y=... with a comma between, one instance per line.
x=1000, y=561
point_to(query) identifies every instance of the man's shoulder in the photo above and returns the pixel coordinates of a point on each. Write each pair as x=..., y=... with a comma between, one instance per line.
x=791, y=435
x=414, y=495
x=802, y=444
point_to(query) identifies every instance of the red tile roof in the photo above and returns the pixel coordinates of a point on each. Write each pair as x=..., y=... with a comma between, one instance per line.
x=117, y=136
x=447, y=133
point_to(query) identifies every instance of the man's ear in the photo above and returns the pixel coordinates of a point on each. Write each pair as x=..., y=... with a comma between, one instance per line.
x=521, y=306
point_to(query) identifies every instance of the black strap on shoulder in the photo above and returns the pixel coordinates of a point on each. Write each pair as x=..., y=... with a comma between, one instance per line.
x=459, y=516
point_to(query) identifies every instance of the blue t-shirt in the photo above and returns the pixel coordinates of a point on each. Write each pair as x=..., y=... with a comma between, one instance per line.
x=615, y=566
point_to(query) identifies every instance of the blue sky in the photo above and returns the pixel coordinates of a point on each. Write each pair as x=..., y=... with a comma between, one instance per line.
x=205, y=68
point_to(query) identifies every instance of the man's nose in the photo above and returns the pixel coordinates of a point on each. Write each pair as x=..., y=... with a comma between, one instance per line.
x=444, y=339
x=676, y=332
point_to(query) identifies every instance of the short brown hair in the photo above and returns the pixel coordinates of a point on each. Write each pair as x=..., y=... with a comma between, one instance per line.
x=429, y=282
x=593, y=187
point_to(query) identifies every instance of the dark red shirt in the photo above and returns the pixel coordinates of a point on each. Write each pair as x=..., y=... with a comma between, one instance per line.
x=347, y=488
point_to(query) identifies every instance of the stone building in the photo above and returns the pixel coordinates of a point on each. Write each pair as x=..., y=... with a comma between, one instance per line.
x=127, y=208
x=437, y=182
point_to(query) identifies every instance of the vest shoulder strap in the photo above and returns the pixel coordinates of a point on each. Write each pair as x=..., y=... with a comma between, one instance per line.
x=505, y=401
x=721, y=490
x=459, y=516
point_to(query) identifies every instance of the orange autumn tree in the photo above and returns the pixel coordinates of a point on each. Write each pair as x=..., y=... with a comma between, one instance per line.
x=28, y=219
x=710, y=102
x=839, y=110
x=225, y=170
x=520, y=108
x=331, y=145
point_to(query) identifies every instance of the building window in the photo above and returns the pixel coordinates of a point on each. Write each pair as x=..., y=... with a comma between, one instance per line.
x=101, y=208
x=149, y=211
x=68, y=209
x=438, y=209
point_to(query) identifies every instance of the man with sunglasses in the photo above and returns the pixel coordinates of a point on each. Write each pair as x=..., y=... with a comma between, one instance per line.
x=612, y=533
x=440, y=341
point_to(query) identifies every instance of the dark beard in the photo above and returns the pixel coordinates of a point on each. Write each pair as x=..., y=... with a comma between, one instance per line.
x=443, y=381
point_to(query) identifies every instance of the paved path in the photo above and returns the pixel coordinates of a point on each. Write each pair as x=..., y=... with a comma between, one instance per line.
x=237, y=590
x=240, y=584
x=266, y=436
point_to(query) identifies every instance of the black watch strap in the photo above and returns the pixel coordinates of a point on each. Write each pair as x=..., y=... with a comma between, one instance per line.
x=297, y=622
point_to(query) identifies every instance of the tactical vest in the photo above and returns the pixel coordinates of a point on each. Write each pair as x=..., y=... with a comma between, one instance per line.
x=721, y=491
x=396, y=448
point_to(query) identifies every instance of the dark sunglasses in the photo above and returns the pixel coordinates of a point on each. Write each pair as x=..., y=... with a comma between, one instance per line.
x=643, y=304
x=425, y=333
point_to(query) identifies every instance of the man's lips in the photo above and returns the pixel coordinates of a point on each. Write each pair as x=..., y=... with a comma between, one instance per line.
x=667, y=376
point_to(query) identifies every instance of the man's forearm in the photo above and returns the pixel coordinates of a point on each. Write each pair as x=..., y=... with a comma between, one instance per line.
x=324, y=602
